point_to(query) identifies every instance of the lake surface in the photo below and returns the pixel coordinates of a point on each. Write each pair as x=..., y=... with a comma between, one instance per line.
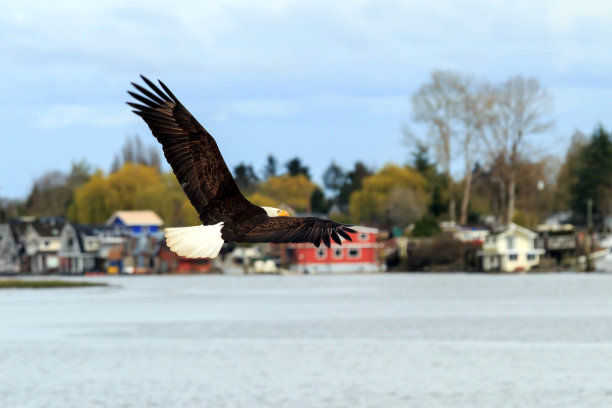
x=408, y=340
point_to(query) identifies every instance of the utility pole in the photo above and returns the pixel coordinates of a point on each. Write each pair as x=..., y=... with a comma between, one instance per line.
x=587, y=241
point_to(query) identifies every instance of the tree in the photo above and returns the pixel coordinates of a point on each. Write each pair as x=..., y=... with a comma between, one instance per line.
x=594, y=175
x=405, y=205
x=52, y=193
x=318, y=203
x=420, y=160
x=438, y=183
x=455, y=108
x=568, y=174
x=294, y=191
x=474, y=114
x=133, y=151
x=271, y=167
x=519, y=110
x=353, y=181
x=260, y=199
x=132, y=187
x=372, y=201
x=426, y=226
x=10, y=208
x=437, y=104
x=334, y=178
x=245, y=177
x=295, y=167
x=89, y=205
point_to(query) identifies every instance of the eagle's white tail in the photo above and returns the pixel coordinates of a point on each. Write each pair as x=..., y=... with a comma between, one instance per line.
x=202, y=241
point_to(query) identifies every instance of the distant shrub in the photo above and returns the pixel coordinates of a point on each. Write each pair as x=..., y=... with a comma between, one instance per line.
x=443, y=253
x=426, y=226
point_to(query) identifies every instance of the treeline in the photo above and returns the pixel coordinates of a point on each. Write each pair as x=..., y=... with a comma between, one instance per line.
x=485, y=126
x=416, y=194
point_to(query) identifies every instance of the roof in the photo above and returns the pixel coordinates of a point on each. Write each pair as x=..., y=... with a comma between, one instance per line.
x=90, y=230
x=47, y=229
x=132, y=218
x=512, y=227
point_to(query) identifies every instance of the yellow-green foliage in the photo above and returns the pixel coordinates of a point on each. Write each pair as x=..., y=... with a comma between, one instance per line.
x=263, y=200
x=89, y=203
x=133, y=187
x=371, y=202
x=294, y=191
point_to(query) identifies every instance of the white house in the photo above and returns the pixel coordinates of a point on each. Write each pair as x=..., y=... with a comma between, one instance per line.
x=42, y=244
x=510, y=250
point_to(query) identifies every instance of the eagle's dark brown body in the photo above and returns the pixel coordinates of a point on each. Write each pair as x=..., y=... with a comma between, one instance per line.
x=199, y=167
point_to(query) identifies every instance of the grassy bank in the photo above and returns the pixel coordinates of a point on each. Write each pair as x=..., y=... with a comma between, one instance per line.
x=44, y=284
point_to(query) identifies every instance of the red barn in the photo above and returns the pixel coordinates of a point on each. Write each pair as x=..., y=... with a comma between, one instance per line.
x=360, y=255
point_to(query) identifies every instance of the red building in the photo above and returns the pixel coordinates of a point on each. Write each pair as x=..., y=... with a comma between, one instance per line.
x=360, y=255
x=170, y=262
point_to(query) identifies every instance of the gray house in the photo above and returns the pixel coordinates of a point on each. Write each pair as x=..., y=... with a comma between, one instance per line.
x=10, y=260
x=80, y=246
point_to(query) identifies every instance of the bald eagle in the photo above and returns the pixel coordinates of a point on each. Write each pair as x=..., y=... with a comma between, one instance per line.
x=226, y=215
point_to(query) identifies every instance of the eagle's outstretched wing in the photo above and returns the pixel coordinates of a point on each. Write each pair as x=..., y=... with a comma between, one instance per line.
x=297, y=229
x=193, y=155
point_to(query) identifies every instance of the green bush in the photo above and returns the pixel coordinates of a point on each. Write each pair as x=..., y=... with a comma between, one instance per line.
x=426, y=226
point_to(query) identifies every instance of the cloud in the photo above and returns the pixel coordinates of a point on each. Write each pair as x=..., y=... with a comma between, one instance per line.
x=58, y=116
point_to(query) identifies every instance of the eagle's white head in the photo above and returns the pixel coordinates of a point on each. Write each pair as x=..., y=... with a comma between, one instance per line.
x=275, y=212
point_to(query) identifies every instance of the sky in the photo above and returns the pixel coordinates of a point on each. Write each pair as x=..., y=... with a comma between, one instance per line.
x=316, y=79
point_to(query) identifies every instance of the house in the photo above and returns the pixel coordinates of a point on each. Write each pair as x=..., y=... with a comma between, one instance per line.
x=42, y=245
x=167, y=261
x=80, y=248
x=511, y=249
x=360, y=255
x=135, y=222
x=9, y=250
x=141, y=251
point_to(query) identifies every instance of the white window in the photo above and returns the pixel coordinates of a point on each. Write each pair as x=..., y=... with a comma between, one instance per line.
x=510, y=242
x=513, y=257
x=354, y=253
x=363, y=236
x=531, y=257
x=337, y=253
x=321, y=253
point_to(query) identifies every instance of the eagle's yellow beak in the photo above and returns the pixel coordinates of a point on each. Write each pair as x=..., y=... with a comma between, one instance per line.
x=283, y=213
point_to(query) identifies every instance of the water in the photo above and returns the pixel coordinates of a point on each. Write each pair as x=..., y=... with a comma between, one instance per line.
x=311, y=341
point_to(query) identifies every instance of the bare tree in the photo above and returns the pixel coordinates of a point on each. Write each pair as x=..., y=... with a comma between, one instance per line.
x=133, y=151
x=474, y=114
x=451, y=111
x=405, y=205
x=520, y=109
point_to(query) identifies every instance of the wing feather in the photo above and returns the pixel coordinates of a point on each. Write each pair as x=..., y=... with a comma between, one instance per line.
x=193, y=155
x=296, y=230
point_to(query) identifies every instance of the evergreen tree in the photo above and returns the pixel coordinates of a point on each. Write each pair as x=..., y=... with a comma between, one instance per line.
x=420, y=160
x=334, y=178
x=295, y=167
x=318, y=203
x=245, y=177
x=353, y=181
x=594, y=176
x=271, y=167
